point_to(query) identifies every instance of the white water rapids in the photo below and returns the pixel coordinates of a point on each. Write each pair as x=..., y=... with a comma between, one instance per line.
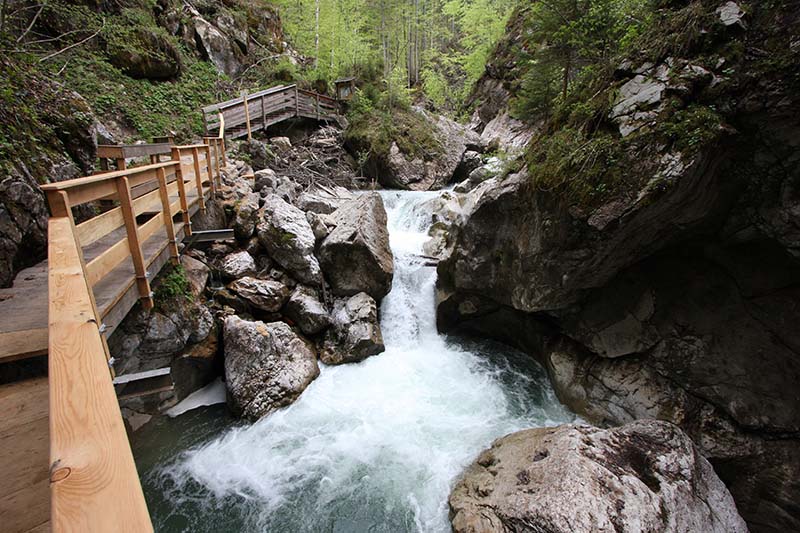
x=374, y=446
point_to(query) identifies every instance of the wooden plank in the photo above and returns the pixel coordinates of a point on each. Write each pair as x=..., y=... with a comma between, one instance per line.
x=94, y=483
x=24, y=445
x=24, y=344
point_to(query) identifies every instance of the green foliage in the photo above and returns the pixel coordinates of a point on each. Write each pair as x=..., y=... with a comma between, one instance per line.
x=373, y=129
x=173, y=286
x=573, y=41
x=692, y=128
x=585, y=169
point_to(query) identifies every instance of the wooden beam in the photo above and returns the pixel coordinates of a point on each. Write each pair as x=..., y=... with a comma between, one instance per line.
x=134, y=242
x=166, y=210
x=94, y=484
x=176, y=157
x=198, y=178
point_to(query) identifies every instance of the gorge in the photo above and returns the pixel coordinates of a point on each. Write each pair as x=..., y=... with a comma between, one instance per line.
x=542, y=274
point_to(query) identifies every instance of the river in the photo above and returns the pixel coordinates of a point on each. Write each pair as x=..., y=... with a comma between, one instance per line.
x=368, y=447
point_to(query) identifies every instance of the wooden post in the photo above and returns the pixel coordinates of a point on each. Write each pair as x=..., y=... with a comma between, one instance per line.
x=198, y=179
x=247, y=116
x=135, y=246
x=217, y=156
x=317, y=97
x=296, y=102
x=263, y=114
x=166, y=212
x=187, y=223
x=121, y=165
x=224, y=155
x=210, y=170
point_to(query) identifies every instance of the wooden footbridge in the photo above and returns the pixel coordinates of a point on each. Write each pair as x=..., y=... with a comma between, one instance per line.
x=67, y=462
x=260, y=110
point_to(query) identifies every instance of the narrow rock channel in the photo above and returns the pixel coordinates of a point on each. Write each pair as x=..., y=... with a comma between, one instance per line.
x=374, y=446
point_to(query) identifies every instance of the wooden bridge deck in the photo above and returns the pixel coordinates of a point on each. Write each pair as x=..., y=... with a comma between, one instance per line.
x=63, y=448
x=108, y=266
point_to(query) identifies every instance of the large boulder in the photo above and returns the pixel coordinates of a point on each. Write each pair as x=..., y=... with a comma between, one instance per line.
x=265, y=295
x=267, y=366
x=404, y=172
x=289, y=239
x=307, y=311
x=237, y=264
x=646, y=476
x=355, y=255
x=355, y=333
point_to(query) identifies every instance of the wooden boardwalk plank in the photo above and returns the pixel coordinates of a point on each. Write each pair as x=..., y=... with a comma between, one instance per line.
x=24, y=450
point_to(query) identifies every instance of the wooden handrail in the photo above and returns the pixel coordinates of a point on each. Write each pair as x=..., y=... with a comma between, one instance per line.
x=107, y=176
x=94, y=485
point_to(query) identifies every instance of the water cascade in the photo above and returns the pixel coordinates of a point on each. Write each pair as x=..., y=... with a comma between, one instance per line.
x=373, y=446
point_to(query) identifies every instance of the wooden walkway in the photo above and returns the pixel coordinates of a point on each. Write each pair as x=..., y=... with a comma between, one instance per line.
x=66, y=306
x=260, y=110
x=64, y=451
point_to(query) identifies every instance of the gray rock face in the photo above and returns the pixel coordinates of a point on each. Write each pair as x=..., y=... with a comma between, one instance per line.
x=646, y=476
x=323, y=201
x=266, y=295
x=267, y=366
x=417, y=174
x=196, y=272
x=245, y=216
x=306, y=310
x=355, y=333
x=215, y=46
x=289, y=239
x=238, y=264
x=355, y=255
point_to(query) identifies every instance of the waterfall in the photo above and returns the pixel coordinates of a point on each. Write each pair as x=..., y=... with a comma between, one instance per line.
x=373, y=446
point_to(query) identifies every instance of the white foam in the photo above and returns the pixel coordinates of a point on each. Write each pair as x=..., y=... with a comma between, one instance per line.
x=375, y=445
x=211, y=394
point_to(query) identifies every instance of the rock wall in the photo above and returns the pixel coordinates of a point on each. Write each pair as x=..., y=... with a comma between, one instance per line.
x=676, y=298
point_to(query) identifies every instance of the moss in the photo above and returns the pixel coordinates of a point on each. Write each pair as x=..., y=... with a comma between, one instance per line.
x=173, y=285
x=373, y=131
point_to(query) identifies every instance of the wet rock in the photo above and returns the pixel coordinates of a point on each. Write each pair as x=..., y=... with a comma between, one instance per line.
x=286, y=234
x=356, y=256
x=237, y=264
x=355, y=333
x=646, y=476
x=266, y=295
x=307, y=311
x=267, y=366
x=150, y=55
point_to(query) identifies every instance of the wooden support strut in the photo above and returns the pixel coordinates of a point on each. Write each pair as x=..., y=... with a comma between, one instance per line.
x=198, y=179
x=187, y=223
x=247, y=116
x=166, y=212
x=209, y=166
x=134, y=244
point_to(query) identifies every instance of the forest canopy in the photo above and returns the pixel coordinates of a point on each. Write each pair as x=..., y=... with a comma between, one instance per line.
x=438, y=46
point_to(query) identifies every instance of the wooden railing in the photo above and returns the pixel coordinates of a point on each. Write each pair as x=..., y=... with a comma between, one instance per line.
x=98, y=269
x=262, y=109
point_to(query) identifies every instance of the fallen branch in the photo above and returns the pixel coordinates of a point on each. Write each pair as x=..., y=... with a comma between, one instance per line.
x=58, y=52
x=33, y=21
